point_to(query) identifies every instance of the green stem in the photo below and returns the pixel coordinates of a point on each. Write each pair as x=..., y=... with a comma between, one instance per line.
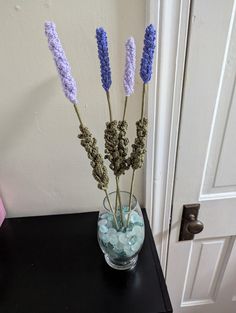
x=116, y=203
x=125, y=106
x=143, y=101
x=109, y=202
x=109, y=105
x=119, y=198
x=78, y=115
x=130, y=197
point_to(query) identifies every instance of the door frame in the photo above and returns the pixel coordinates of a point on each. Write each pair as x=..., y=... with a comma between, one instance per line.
x=171, y=19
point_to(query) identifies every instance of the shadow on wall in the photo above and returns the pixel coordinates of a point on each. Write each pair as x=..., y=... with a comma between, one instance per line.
x=22, y=117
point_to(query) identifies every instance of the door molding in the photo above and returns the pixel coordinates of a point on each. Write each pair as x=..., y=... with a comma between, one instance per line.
x=171, y=19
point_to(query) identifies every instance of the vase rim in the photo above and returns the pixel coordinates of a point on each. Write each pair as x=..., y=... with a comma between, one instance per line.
x=124, y=192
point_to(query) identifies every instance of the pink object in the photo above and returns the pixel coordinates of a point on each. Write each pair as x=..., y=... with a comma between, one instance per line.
x=2, y=212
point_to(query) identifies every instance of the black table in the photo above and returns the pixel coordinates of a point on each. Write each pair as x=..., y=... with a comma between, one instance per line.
x=54, y=264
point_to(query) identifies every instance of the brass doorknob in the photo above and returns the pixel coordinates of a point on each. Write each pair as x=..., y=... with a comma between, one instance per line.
x=194, y=226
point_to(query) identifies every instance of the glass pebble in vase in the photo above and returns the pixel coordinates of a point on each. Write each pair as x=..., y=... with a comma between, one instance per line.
x=121, y=235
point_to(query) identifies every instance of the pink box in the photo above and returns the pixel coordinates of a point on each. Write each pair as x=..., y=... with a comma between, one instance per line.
x=2, y=212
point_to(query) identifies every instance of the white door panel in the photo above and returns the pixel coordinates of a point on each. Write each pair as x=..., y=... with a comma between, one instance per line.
x=201, y=274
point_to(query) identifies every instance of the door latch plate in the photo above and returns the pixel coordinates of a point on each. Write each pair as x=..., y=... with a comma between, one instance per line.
x=190, y=211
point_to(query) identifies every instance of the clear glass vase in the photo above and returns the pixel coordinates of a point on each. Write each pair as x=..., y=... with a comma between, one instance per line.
x=121, y=235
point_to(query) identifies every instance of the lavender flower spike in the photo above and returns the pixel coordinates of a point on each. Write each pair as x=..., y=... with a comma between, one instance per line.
x=148, y=53
x=104, y=58
x=63, y=67
x=129, y=66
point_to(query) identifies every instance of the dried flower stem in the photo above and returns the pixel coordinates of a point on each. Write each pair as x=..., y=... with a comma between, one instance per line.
x=112, y=153
x=116, y=151
x=109, y=202
x=119, y=198
x=130, y=197
x=78, y=115
x=116, y=203
x=143, y=101
x=99, y=170
x=109, y=105
x=125, y=106
x=138, y=158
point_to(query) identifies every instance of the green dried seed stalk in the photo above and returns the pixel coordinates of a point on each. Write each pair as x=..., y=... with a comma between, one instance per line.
x=138, y=148
x=123, y=142
x=116, y=146
x=99, y=169
x=111, y=143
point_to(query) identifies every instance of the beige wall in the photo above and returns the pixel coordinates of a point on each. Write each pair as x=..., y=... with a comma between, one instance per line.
x=43, y=169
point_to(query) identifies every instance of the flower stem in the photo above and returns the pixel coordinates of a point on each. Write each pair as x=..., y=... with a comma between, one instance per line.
x=109, y=105
x=125, y=106
x=116, y=203
x=130, y=197
x=109, y=202
x=108, y=198
x=119, y=198
x=78, y=115
x=143, y=101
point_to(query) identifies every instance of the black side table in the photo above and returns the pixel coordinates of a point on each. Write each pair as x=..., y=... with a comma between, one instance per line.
x=53, y=264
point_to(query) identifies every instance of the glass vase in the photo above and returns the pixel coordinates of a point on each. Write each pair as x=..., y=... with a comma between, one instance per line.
x=121, y=230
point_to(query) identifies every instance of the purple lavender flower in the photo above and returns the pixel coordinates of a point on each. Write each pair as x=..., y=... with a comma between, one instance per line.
x=129, y=66
x=63, y=67
x=104, y=58
x=148, y=52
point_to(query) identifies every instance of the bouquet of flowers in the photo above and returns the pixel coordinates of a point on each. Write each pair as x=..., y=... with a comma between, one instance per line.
x=115, y=134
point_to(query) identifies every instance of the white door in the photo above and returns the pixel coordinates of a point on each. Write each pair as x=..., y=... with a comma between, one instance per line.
x=201, y=273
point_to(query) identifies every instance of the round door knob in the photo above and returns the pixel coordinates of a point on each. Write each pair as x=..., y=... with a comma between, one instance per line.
x=194, y=226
